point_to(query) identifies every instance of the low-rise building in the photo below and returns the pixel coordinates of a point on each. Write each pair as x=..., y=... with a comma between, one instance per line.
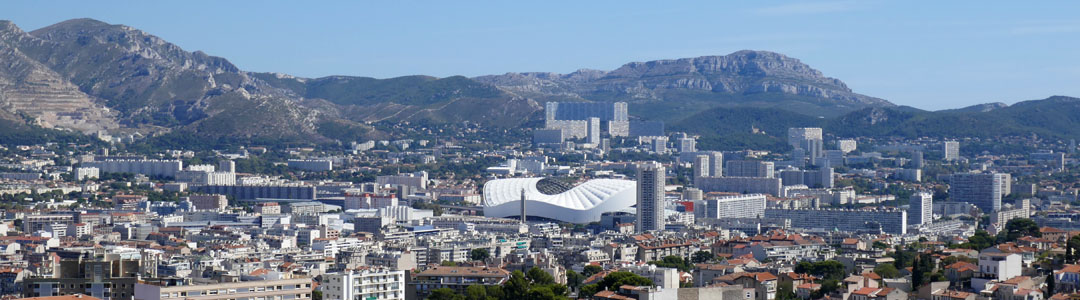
x=295, y=289
x=456, y=278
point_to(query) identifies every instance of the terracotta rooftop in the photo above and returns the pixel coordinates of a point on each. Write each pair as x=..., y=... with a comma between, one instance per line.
x=1069, y=269
x=953, y=294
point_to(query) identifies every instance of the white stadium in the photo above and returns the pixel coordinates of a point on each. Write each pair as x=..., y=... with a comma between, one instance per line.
x=555, y=200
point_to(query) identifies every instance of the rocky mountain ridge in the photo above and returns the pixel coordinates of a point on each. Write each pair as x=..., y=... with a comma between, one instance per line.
x=716, y=80
x=87, y=76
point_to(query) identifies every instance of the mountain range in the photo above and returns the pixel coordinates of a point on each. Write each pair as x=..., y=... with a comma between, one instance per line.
x=88, y=76
x=740, y=79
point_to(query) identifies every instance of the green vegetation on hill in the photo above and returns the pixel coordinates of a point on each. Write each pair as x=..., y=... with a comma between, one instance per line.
x=15, y=130
x=407, y=90
x=730, y=128
x=681, y=105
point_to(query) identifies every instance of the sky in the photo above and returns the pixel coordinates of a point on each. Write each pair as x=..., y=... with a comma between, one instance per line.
x=931, y=55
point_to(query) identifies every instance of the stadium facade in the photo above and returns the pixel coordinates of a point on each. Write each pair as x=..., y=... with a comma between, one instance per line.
x=555, y=200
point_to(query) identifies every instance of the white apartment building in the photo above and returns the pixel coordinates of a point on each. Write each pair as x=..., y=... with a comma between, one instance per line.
x=888, y=220
x=150, y=167
x=204, y=177
x=951, y=150
x=87, y=173
x=667, y=278
x=846, y=145
x=739, y=206
x=750, y=168
x=416, y=180
x=995, y=266
x=921, y=208
x=374, y=284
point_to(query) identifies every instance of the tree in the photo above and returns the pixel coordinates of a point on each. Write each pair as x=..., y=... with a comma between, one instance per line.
x=785, y=291
x=616, y=279
x=1020, y=227
x=887, y=271
x=588, y=290
x=476, y=292
x=672, y=261
x=937, y=277
x=479, y=254
x=444, y=294
x=880, y=245
x=558, y=289
x=827, y=287
x=574, y=279
x=1074, y=245
x=702, y=256
x=952, y=259
x=589, y=271
x=981, y=240
x=922, y=271
x=916, y=274
x=517, y=287
x=1050, y=284
x=540, y=293
x=830, y=269
x=495, y=292
x=316, y=295
x=1068, y=251
x=538, y=276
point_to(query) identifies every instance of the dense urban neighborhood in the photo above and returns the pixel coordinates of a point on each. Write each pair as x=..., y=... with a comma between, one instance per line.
x=591, y=207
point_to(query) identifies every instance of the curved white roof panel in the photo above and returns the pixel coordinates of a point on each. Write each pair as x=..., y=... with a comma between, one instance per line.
x=583, y=203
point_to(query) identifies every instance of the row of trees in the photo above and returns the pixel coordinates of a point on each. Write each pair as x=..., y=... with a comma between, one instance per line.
x=613, y=281
x=536, y=284
x=831, y=272
x=1014, y=229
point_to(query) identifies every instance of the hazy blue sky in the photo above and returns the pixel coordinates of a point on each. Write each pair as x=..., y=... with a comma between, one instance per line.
x=931, y=55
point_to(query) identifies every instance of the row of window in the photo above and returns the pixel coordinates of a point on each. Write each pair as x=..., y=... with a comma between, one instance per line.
x=234, y=291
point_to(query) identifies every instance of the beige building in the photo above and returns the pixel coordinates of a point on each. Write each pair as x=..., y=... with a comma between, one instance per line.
x=209, y=202
x=281, y=289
